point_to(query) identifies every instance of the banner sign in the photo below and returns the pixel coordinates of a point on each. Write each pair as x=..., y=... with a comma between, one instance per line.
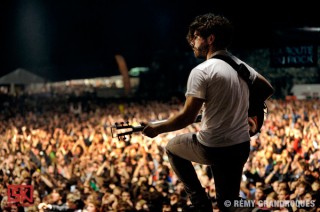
x=294, y=56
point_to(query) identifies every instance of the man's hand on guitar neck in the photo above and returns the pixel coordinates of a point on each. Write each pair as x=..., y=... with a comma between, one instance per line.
x=150, y=131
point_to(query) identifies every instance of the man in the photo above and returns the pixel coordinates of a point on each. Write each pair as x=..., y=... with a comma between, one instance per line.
x=216, y=90
x=73, y=204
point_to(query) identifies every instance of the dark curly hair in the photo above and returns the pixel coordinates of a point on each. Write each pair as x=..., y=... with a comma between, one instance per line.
x=208, y=24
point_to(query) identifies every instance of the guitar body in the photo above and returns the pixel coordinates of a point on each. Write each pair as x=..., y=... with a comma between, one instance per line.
x=256, y=115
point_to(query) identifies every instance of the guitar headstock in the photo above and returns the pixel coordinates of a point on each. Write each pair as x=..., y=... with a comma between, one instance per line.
x=123, y=130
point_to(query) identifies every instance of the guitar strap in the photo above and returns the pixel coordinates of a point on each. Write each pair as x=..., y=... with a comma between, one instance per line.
x=255, y=109
x=242, y=70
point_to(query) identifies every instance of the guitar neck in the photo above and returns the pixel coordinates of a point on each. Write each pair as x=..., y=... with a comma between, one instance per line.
x=123, y=129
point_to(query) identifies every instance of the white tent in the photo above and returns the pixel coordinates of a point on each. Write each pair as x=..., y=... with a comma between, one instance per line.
x=21, y=77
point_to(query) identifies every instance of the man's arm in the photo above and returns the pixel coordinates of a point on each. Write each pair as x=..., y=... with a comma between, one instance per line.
x=184, y=118
x=45, y=206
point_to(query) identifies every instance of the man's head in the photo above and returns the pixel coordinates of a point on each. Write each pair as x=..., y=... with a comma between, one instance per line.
x=208, y=33
x=56, y=196
x=74, y=201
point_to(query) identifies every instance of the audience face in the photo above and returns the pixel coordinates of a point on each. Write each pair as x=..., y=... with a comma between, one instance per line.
x=91, y=208
x=282, y=185
x=259, y=194
x=283, y=195
x=125, y=196
x=55, y=197
x=4, y=202
x=307, y=197
x=315, y=186
x=300, y=189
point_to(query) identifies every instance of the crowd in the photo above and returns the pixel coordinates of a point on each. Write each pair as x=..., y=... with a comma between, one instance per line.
x=66, y=151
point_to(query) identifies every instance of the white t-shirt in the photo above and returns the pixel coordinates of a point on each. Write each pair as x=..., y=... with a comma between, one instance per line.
x=225, y=110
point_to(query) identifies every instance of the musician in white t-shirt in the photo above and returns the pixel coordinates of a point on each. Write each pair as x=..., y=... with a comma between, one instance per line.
x=216, y=90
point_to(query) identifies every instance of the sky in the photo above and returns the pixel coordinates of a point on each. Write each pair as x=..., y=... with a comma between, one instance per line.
x=65, y=39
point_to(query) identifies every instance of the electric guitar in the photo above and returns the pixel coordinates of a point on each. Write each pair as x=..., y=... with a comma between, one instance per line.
x=124, y=130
